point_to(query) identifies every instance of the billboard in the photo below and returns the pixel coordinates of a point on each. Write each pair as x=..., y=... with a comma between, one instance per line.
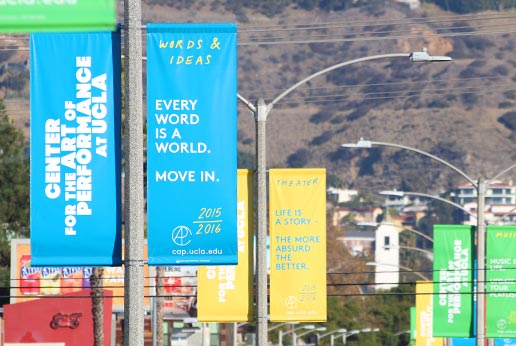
x=191, y=144
x=75, y=189
x=297, y=222
x=29, y=283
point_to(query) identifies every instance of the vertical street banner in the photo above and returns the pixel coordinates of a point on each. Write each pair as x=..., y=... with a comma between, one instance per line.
x=501, y=282
x=453, y=281
x=424, y=312
x=192, y=144
x=57, y=15
x=297, y=220
x=75, y=194
x=225, y=293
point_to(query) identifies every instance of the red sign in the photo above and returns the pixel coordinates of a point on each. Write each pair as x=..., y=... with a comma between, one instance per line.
x=67, y=319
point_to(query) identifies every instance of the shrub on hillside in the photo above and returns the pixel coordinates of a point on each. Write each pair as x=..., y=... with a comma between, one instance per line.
x=508, y=120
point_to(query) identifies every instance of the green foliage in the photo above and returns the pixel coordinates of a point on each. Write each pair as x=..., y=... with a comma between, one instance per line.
x=14, y=193
x=246, y=160
x=508, y=120
x=299, y=159
x=321, y=139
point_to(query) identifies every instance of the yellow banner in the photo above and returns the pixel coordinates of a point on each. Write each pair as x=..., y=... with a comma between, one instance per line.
x=424, y=319
x=298, y=244
x=225, y=292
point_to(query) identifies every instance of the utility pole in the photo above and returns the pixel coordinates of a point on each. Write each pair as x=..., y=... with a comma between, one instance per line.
x=134, y=201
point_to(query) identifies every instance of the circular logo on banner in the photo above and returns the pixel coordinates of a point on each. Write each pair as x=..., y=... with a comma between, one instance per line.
x=501, y=324
x=291, y=302
x=180, y=235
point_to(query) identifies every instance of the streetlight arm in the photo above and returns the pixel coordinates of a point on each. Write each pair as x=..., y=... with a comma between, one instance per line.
x=429, y=253
x=331, y=68
x=407, y=269
x=376, y=224
x=429, y=196
x=503, y=172
x=249, y=104
x=362, y=143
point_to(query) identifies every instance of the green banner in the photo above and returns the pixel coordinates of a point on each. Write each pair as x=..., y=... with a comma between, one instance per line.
x=453, y=281
x=501, y=282
x=57, y=15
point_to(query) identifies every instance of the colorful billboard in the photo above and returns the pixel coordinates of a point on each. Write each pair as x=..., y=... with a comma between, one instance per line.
x=297, y=222
x=453, y=281
x=51, y=16
x=75, y=207
x=191, y=144
x=29, y=283
x=501, y=282
x=226, y=292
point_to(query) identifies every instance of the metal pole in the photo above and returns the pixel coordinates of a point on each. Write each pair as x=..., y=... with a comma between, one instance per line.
x=481, y=258
x=261, y=223
x=332, y=338
x=280, y=338
x=134, y=240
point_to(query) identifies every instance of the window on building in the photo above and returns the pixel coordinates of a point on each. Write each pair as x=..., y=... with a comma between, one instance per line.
x=386, y=242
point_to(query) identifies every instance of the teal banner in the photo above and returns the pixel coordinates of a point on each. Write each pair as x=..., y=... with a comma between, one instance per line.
x=57, y=15
x=501, y=282
x=75, y=194
x=192, y=144
x=453, y=281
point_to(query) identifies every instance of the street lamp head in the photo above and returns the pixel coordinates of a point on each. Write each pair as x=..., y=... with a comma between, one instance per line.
x=362, y=143
x=320, y=329
x=392, y=193
x=366, y=330
x=308, y=326
x=423, y=56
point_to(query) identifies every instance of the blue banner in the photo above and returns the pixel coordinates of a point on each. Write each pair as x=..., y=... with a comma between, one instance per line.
x=75, y=149
x=192, y=144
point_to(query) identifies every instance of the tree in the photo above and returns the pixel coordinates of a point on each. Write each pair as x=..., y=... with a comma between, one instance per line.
x=14, y=194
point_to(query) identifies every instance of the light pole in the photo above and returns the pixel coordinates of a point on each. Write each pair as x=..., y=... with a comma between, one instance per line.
x=261, y=111
x=480, y=186
x=340, y=331
x=319, y=329
x=280, y=332
x=293, y=332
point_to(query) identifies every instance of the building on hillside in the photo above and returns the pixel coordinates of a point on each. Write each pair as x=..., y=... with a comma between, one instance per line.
x=500, y=202
x=340, y=195
x=344, y=215
x=359, y=243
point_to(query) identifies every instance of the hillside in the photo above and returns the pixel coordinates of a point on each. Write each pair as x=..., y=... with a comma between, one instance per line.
x=462, y=111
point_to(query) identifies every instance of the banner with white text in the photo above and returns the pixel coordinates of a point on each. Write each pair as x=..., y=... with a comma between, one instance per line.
x=297, y=219
x=75, y=209
x=453, y=281
x=191, y=144
x=225, y=293
x=501, y=282
x=424, y=312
